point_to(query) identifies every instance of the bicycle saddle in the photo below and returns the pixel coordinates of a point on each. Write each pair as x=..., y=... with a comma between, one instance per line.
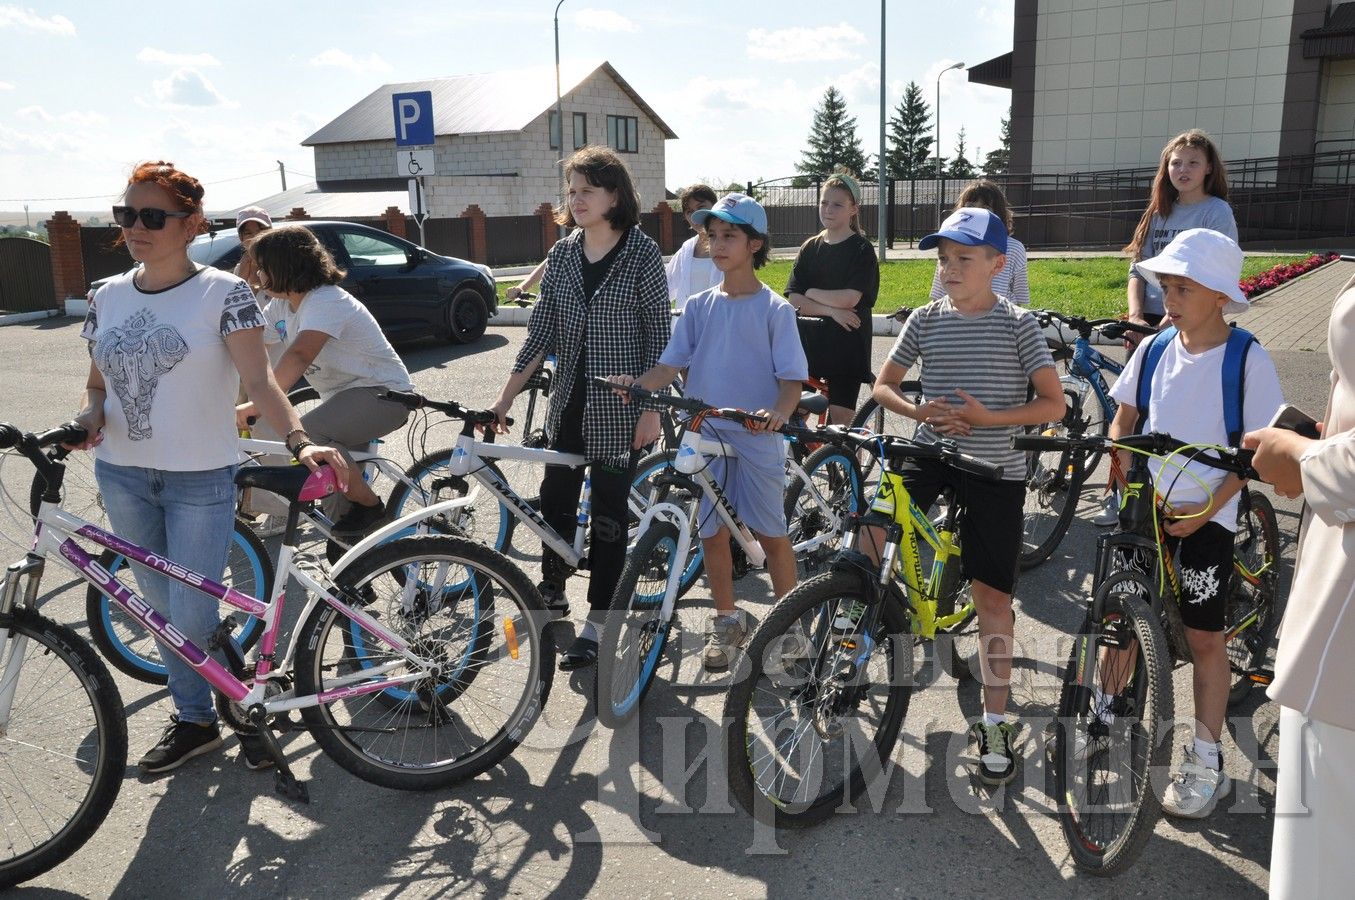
x=295, y=483
x=813, y=402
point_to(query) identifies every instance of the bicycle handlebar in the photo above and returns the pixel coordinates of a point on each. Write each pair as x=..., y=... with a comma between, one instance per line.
x=1228, y=459
x=450, y=408
x=1111, y=328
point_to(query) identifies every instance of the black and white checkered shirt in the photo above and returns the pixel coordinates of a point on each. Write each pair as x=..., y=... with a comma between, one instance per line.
x=625, y=327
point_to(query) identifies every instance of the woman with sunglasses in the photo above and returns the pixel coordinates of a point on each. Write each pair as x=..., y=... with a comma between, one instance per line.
x=170, y=344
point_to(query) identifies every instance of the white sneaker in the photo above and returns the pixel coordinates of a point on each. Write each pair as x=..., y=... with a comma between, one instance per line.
x=1109, y=514
x=1195, y=789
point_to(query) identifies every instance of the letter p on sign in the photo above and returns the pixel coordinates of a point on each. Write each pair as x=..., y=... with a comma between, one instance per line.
x=413, y=118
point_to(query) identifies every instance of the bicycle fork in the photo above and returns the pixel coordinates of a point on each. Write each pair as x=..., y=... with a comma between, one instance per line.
x=31, y=567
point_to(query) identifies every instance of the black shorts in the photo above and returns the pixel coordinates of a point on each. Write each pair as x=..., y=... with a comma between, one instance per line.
x=1205, y=563
x=990, y=523
x=843, y=390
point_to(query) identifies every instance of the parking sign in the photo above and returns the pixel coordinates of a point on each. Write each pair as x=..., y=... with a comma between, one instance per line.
x=413, y=118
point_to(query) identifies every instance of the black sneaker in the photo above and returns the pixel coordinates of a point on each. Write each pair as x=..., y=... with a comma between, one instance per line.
x=359, y=520
x=181, y=742
x=554, y=597
x=255, y=752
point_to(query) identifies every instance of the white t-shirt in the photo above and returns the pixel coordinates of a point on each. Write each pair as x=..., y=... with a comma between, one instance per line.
x=171, y=382
x=701, y=277
x=356, y=355
x=1186, y=401
x=689, y=275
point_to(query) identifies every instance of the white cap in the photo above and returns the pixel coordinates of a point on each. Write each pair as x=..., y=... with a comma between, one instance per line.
x=253, y=214
x=1203, y=255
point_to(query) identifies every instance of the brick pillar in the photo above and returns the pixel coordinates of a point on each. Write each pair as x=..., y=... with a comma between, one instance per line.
x=477, y=232
x=665, y=212
x=395, y=221
x=68, y=263
x=549, y=230
x=297, y=213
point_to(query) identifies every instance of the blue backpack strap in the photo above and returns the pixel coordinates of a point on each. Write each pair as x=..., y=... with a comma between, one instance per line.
x=1240, y=341
x=1157, y=345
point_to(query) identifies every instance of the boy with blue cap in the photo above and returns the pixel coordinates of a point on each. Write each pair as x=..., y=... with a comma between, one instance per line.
x=979, y=354
x=740, y=347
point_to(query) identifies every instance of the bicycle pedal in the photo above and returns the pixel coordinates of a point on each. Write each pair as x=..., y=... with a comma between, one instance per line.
x=289, y=787
x=1261, y=676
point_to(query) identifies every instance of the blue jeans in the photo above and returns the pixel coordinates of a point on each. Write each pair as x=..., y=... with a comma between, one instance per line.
x=187, y=517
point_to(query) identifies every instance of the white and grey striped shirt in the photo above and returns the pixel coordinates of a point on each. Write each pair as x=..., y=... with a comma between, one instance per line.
x=991, y=356
x=1012, y=282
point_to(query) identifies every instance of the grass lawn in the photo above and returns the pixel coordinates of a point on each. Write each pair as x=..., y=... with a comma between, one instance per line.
x=1092, y=287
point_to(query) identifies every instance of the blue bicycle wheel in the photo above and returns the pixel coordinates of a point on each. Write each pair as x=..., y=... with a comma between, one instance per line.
x=641, y=492
x=486, y=521
x=131, y=649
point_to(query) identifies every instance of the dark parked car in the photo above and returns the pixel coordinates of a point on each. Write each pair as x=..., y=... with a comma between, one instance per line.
x=411, y=291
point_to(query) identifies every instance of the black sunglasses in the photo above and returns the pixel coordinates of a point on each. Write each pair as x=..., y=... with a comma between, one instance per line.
x=154, y=219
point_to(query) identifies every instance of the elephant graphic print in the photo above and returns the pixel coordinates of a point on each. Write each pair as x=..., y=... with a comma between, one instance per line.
x=134, y=357
x=170, y=379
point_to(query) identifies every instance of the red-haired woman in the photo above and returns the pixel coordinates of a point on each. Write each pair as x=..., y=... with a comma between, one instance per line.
x=170, y=343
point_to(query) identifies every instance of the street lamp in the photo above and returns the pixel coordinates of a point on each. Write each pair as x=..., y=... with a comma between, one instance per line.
x=559, y=110
x=958, y=65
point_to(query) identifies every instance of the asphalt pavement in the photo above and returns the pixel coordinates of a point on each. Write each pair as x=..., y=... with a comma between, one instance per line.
x=581, y=811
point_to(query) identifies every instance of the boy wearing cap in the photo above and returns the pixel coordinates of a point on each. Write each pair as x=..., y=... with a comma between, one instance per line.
x=1198, y=274
x=740, y=347
x=979, y=354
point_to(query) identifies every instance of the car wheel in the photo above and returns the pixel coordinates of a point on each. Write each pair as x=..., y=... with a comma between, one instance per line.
x=467, y=316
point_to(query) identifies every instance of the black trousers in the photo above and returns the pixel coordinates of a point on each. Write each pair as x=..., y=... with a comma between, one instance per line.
x=608, y=527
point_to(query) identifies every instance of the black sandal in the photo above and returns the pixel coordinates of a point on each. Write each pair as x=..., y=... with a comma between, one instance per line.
x=580, y=655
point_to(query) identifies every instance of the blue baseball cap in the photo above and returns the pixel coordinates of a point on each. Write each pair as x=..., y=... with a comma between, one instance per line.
x=737, y=209
x=970, y=225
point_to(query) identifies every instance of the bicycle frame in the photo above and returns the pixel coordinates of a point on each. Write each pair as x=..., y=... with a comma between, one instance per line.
x=54, y=534
x=1086, y=366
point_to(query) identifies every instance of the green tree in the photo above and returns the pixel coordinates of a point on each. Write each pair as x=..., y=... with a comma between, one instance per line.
x=833, y=140
x=999, y=161
x=960, y=167
x=910, y=139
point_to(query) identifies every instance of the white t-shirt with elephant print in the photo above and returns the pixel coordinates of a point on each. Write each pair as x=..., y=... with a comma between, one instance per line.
x=171, y=382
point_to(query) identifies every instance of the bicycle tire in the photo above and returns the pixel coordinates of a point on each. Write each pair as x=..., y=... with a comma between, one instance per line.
x=633, y=624
x=696, y=553
x=1141, y=707
x=1095, y=422
x=1054, y=481
x=487, y=521
x=1257, y=547
x=837, y=478
x=772, y=645
x=956, y=658
x=127, y=644
x=66, y=670
x=346, y=727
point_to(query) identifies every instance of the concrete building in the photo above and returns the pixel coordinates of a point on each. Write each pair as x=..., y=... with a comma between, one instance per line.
x=497, y=143
x=1103, y=84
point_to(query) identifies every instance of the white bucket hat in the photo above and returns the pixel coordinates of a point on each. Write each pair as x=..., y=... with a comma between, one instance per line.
x=1205, y=256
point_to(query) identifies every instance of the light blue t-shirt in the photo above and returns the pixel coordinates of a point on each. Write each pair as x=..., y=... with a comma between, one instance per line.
x=736, y=349
x=1211, y=212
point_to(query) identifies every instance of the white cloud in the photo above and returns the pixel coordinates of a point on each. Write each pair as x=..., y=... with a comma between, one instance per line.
x=339, y=59
x=1001, y=19
x=166, y=58
x=73, y=117
x=6, y=86
x=820, y=44
x=603, y=20
x=17, y=17
x=188, y=87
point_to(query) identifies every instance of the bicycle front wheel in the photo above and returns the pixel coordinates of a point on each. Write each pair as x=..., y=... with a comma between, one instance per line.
x=1254, y=606
x=442, y=596
x=871, y=416
x=636, y=631
x=816, y=717
x=64, y=745
x=127, y=644
x=486, y=520
x=817, y=508
x=1053, y=485
x=1107, y=745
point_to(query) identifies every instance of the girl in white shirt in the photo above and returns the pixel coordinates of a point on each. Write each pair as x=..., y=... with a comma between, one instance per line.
x=691, y=270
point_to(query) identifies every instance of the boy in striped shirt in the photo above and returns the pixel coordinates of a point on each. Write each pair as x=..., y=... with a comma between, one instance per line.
x=979, y=354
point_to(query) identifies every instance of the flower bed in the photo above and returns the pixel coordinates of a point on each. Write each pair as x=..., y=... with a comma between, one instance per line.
x=1277, y=276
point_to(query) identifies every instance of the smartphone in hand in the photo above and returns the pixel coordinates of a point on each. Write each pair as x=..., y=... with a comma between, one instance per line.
x=1294, y=419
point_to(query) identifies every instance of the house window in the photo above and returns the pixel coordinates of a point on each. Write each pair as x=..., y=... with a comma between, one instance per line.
x=554, y=129
x=580, y=130
x=623, y=133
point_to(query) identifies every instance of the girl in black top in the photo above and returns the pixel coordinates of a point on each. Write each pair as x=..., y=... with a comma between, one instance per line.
x=603, y=310
x=833, y=286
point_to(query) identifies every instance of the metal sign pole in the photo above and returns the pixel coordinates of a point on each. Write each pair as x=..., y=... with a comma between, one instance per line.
x=422, y=215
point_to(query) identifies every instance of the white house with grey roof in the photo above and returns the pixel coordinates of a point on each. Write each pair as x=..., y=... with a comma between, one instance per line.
x=496, y=139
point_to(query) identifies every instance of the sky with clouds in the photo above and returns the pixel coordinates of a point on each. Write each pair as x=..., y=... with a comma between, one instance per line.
x=226, y=90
